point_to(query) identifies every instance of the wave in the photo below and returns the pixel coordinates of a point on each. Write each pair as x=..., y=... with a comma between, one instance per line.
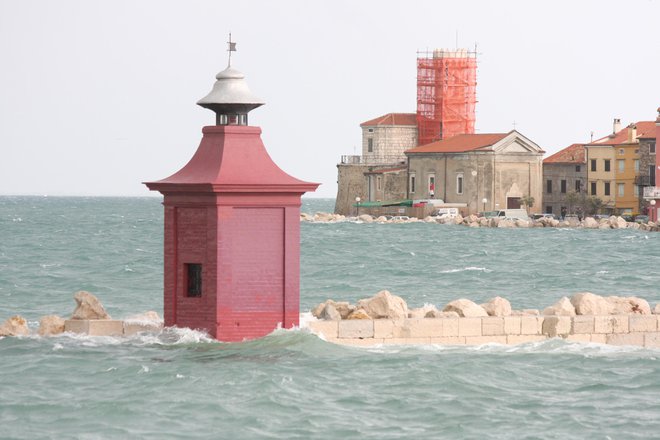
x=467, y=269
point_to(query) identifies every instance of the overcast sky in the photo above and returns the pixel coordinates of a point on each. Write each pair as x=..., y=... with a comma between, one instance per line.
x=99, y=96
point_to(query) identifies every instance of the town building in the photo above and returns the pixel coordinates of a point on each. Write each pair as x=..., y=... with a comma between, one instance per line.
x=564, y=172
x=483, y=171
x=620, y=164
x=652, y=193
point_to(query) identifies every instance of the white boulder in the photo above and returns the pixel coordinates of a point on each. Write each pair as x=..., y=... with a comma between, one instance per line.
x=384, y=305
x=628, y=305
x=14, y=326
x=51, y=325
x=590, y=223
x=656, y=309
x=421, y=312
x=563, y=307
x=587, y=303
x=465, y=308
x=358, y=314
x=497, y=306
x=88, y=307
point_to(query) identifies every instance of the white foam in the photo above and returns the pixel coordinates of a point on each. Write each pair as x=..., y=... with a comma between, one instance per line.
x=466, y=269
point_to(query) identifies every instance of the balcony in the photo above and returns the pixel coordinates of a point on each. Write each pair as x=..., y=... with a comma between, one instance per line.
x=652, y=192
x=643, y=181
x=372, y=160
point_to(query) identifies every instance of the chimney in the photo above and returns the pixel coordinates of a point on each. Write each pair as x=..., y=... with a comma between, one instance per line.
x=632, y=133
x=616, y=126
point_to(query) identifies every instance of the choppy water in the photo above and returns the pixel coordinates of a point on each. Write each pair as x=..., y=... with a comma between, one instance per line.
x=291, y=384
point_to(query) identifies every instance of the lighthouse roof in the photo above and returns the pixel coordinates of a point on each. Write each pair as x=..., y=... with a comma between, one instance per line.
x=229, y=90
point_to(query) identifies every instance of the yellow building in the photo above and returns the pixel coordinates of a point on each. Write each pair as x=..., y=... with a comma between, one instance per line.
x=601, y=175
x=613, y=165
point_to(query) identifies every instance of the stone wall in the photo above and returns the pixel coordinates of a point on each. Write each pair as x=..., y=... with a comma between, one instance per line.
x=351, y=183
x=639, y=330
x=556, y=172
x=388, y=141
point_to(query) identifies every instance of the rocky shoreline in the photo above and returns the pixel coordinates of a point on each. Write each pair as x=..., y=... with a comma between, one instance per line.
x=473, y=221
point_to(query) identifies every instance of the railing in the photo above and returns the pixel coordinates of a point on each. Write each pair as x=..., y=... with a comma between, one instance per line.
x=371, y=160
x=652, y=192
x=643, y=180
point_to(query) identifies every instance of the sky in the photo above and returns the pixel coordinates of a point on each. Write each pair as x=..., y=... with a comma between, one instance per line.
x=99, y=96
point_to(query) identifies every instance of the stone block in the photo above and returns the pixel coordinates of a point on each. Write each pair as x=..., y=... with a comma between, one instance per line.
x=329, y=329
x=132, y=328
x=480, y=340
x=512, y=325
x=407, y=341
x=603, y=324
x=450, y=327
x=355, y=328
x=619, y=323
x=422, y=328
x=652, y=340
x=642, y=323
x=531, y=325
x=582, y=325
x=556, y=326
x=469, y=326
x=599, y=338
x=522, y=339
x=449, y=340
x=387, y=328
x=492, y=326
x=626, y=339
x=579, y=337
x=95, y=327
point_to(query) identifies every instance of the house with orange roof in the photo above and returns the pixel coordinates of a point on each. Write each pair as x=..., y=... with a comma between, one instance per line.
x=616, y=172
x=563, y=173
x=486, y=171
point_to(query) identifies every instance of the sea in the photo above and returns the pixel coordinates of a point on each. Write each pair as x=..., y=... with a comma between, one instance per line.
x=293, y=385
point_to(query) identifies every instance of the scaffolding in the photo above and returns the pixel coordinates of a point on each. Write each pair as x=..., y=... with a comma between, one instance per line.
x=446, y=94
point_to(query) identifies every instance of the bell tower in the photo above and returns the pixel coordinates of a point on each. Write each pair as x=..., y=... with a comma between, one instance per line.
x=232, y=226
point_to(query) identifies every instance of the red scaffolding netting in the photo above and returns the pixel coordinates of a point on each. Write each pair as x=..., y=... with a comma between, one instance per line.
x=446, y=94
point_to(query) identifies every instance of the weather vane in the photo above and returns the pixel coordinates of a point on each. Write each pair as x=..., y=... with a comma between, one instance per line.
x=232, y=48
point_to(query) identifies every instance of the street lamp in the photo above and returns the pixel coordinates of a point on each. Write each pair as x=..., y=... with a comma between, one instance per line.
x=357, y=200
x=484, y=201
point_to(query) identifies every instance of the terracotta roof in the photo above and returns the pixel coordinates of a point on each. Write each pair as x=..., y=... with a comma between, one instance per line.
x=460, y=143
x=572, y=154
x=645, y=129
x=393, y=119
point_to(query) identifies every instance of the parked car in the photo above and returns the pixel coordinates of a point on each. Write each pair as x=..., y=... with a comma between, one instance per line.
x=513, y=214
x=641, y=218
x=488, y=214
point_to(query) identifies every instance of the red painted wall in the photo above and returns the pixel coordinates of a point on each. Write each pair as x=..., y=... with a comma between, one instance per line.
x=234, y=211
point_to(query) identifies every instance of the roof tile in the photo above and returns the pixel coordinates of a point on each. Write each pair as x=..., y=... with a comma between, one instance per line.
x=460, y=143
x=393, y=119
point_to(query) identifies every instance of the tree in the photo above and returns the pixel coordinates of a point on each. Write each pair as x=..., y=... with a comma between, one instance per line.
x=572, y=198
x=527, y=201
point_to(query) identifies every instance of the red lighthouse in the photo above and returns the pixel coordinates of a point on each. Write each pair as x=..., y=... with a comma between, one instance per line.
x=232, y=227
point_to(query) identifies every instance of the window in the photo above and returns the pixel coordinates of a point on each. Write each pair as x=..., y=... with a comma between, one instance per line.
x=370, y=130
x=593, y=188
x=621, y=188
x=370, y=145
x=621, y=152
x=431, y=184
x=193, y=272
x=412, y=182
x=563, y=186
x=637, y=191
x=577, y=168
x=652, y=148
x=459, y=184
x=607, y=165
x=652, y=175
x=607, y=189
x=379, y=183
x=636, y=165
x=578, y=186
x=621, y=164
x=548, y=186
x=548, y=209
x=593, y=164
